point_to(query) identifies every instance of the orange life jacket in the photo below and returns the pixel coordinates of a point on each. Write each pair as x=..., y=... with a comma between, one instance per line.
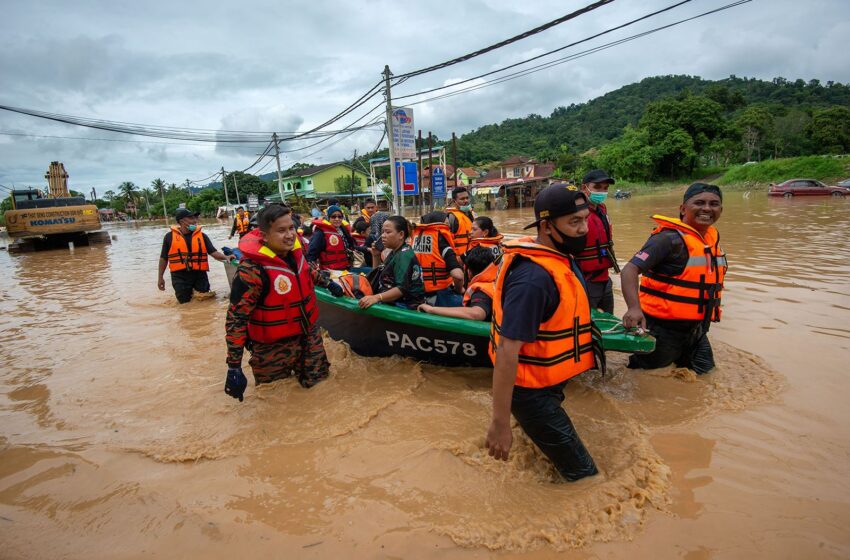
x=695, y=293
x=242, y=223
x=335, y=255
x=180, y=257
x=484, y=281
x=366, y=216
x=435, y=274
x=460, y=239
x=597, y=256
x=288, y=307
x=355, y=285
x=565, y=343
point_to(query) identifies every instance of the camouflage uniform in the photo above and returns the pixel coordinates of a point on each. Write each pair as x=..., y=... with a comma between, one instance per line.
x=302, y=355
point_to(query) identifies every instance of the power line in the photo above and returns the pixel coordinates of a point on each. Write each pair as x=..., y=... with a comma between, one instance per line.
x=103, y=139
x=572, y=57
x=514, y=39
x=526, y=61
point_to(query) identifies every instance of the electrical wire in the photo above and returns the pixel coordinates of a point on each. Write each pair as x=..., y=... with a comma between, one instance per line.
x=526, y=61
x=515, y=38
x=105, y=139
x=575, y=56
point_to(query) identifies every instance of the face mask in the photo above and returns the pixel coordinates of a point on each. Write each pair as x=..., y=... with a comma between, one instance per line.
x=598, y=197
x=568, y=245
x=192, y=227
x=466, y=208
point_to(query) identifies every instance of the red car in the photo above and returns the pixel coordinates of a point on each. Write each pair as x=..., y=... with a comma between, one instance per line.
x=805, y=187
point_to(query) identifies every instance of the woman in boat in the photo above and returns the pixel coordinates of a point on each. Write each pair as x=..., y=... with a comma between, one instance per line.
x=484, y=233
x=399, y=279
x=331, y=243
x=478, y=300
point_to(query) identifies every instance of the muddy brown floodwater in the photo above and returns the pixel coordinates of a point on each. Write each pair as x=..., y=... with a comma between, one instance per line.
x=117, y=440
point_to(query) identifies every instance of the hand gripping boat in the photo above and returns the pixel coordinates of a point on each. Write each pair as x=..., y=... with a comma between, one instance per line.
x=386, y=330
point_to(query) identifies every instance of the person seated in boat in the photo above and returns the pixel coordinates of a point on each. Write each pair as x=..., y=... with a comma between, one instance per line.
x=362, y=244
x=399, y=279
x=484, y=234
x=365, y=215
x=273, y=309
x=478, y=300
x=542, y=335
x=331, y=243
x=441, y=271
x=678, y=295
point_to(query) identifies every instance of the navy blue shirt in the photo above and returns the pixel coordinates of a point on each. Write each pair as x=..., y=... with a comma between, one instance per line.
x=529, y=298
x=664, y=252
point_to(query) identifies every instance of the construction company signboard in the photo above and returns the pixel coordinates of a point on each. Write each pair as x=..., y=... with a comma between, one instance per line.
x=404, y=137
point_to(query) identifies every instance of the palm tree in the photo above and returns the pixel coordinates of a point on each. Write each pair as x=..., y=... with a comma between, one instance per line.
x=129, y=191
x=109, y=196
x=158, y=185
x=147, y=195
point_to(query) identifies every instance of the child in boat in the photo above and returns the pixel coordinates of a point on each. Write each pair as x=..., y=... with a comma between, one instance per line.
x=399, y=279
x=478, y=300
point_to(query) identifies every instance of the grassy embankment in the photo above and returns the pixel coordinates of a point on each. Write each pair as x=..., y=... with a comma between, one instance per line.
x=757, y=176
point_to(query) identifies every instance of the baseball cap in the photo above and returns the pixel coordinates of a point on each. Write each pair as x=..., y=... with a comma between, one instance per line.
x=555, y=201
x=598, y=176
x=699, y=188
x=184, y=213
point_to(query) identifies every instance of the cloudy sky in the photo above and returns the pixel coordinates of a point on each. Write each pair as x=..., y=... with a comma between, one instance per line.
x=289, y=65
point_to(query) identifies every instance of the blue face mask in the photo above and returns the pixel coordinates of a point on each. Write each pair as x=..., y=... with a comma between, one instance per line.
x=192, y=227
x=598, y=197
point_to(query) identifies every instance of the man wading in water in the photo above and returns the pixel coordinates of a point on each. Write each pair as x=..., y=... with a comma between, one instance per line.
x=541, y=335
x=683, y=268
x=273, y=309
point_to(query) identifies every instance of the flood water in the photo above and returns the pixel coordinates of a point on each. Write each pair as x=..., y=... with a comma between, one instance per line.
x=117, y=440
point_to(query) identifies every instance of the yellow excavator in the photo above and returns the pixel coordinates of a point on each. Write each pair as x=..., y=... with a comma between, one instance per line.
x=37, y=222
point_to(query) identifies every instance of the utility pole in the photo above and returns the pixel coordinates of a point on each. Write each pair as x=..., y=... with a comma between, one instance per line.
x=235, y=186
x=224, y=184
x=351, y=187
x=398, y=198
x=431, y=165
x=277, y=158
x=189, y=187
x=421, y=186
x=454, y=156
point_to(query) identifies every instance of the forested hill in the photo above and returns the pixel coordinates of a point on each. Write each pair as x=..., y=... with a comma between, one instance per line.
x=580, y=127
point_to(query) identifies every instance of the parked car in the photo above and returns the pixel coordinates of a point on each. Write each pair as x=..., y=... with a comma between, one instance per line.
x=805, y=187
x=845, y=183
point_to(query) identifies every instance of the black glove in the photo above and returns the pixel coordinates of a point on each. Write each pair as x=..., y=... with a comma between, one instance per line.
x=335, y=289
x=235, y=383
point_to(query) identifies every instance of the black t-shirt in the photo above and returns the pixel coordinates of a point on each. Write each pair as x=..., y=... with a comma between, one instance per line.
x=664, y=252
x=166, y=244
x=483, y=301
x=529, y=298
x=448, y=253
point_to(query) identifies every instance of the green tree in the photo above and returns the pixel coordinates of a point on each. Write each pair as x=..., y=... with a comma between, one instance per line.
x=109, y=196
x=343, y=185
x=630, y=156
x=830, y=130
x=158, y=186
x=756, y=127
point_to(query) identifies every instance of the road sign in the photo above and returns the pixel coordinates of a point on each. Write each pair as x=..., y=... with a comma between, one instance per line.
x=404, y=137
x=409, y=180
x=253, y=202
x=438, y=183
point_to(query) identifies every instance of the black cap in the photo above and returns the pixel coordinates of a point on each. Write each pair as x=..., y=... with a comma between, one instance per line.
x=598, y=176
x=184, y=213
x=699, y=188
x=555, y=201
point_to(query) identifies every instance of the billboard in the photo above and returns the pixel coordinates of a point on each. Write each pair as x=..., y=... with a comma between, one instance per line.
x=408, y=179
x=404, y=137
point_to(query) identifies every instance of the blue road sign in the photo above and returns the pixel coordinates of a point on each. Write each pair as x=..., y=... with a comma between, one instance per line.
x=409, y=180
x=438, y=183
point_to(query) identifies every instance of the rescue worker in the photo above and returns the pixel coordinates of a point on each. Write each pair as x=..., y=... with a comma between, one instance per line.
x=478, y=299
x=399, y=280
x=598, y=255
x=184, y=251
x=369, y=209
x=442, y=273
x=682, y=268
x=331, y=243
x=541, y=334
x=241, y=223
x=460, y=220
x=273, y=309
